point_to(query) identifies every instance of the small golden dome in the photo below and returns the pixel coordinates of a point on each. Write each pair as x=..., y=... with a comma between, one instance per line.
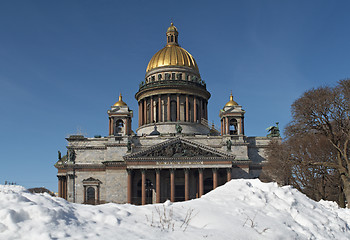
x=231, y=102
x=172, y=28
x=120, y=102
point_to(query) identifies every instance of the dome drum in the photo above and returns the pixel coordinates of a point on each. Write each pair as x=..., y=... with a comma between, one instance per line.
x=172, y=84
x=172, y=88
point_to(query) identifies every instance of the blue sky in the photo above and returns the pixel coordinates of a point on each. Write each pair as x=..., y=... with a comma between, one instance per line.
x=63, y=64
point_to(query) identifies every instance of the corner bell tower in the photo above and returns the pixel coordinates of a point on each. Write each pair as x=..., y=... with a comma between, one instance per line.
x=232, y=118
x=120, y=119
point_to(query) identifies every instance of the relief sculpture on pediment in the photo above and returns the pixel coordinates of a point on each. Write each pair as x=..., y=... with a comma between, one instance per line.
x=180, y=150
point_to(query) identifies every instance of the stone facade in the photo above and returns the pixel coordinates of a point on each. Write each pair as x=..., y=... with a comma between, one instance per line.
x=174, y=153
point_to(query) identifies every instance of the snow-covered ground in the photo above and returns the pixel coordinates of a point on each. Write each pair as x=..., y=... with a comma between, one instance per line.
x=241, y=209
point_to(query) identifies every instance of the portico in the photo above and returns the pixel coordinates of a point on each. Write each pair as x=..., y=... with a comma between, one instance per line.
x=147, y=186
x=177, y=170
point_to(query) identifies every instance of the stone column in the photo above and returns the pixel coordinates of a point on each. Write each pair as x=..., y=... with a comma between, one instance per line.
x=152, y=110
x=242, y=121
x=59, y=187
x=178, y=108
x=109, y=130
x=62, y=187
x=200, y=109
x=203, y=108
x=126, y=125
x=187, y=190
x=187, y=110
x=158, y=185
x=139, y=114
x=159, y=109
x=143, y=187
x=195, y=109
x=228, y=174
x=112, y=126
x=144, y=111
x=206, y=109
x=221, y=128
x=215, y=178
x=129, y=186
x=168, y=111
x=84, y=194
x=97, y=195
x=200, y=182
x=239, y=129
x=172, y=185
x=227, y=126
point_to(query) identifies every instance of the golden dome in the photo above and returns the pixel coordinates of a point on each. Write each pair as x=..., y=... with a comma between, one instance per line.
x=172, y=54
x=120, y=102
x=231, y=102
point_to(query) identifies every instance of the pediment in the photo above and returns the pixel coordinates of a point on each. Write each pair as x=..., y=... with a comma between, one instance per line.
x=91, y=179
x=179, y=148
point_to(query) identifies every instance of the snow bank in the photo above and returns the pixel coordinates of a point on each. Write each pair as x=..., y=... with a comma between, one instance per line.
x=241, y=209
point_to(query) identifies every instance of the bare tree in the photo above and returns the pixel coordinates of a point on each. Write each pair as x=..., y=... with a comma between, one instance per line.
x=291, y=163
x=325, y=111
x=279, y=165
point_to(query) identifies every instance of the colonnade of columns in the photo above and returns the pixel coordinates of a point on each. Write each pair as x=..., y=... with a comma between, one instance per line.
x=62, y=187
x=172, y=183
x=172, y=107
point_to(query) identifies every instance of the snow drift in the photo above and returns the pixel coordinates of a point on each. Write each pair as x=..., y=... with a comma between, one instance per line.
x=241, y=209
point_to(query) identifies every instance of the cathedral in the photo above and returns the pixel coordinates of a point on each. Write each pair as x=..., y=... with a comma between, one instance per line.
x=174, y=153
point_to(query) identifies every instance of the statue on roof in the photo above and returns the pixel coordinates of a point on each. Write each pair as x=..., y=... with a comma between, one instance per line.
x=178, y=128
x=274, y=131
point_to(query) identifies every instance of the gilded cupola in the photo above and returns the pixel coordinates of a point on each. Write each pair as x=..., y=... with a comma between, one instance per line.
x=120, y=102
x=231, y=102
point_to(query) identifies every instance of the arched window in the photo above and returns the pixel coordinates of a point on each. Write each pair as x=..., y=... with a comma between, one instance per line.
x=190, y=112
x=148, y=112
x=173, y=111
x=233, y=127
x=156, y=112
x=119, y=124
x=172, y=38
x=90, y=195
